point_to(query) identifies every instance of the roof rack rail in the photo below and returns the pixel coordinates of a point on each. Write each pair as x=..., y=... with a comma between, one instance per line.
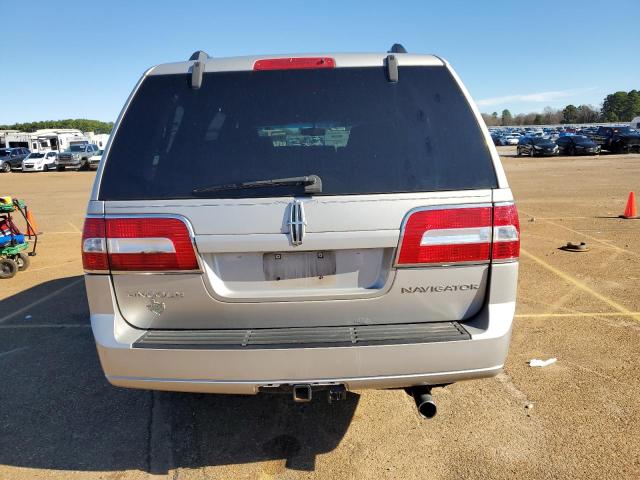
x=198, y=68
x=392, y=68
x=397, y=48
x=199, y=55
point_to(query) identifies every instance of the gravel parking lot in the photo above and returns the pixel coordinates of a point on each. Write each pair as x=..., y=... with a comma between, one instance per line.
x=578, y=418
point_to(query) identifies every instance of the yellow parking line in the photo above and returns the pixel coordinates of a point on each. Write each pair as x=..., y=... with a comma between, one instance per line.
x=74, y=227
x=70, y=262
x=577, y=314
x=581, y=286
x=604, y=242
x=577, y=232
x=40, y=300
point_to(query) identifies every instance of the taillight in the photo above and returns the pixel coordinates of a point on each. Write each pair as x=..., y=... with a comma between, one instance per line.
x=506, y=232
x=94, y=246
x=145, y=244
x=455, y=235
x=293, y=63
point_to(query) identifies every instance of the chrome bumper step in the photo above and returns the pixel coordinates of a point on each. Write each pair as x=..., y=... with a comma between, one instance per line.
x=304, y=337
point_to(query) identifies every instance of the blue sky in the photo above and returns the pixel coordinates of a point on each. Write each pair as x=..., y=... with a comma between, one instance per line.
x=80, y=59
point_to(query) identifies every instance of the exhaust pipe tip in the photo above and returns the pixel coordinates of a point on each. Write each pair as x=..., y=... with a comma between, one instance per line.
x=425, y=403
x=427, y=407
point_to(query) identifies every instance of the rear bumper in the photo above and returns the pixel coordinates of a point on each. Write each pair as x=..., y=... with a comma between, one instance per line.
x=239, y=371
x=253, y=387
x=245, y=371
x=481, y=353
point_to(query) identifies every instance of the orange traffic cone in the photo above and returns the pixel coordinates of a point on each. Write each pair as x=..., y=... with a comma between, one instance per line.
x=632, y=210
x=31, y=224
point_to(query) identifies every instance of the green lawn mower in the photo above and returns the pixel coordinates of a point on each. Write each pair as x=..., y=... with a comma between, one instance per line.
x=14, y=246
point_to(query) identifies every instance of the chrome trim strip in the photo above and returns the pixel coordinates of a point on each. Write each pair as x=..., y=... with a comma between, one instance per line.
x=445, y=264
x=159, y=272
x=456, y=236
x=140, y=245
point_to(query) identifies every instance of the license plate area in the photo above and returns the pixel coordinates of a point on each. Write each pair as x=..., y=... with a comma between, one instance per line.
x=292, y=265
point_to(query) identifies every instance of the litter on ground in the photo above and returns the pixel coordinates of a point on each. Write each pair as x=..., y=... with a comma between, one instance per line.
x=542, y=363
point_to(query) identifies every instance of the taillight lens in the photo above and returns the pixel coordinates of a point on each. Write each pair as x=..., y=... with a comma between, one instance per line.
x=94, y=246
x=292, y=63
x=449, y=235
x=460, y=235
x=506, y=232
x=143, y=244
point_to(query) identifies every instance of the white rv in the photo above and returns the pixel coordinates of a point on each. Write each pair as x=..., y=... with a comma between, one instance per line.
x=59, y=139
x=635, y=123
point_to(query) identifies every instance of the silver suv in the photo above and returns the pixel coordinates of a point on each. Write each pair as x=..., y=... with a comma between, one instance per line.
x=301, y=224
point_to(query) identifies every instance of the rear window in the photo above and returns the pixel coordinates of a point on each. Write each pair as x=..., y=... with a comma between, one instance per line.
x=360, y=133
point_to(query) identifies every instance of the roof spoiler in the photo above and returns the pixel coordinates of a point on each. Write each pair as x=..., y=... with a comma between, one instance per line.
x=198, y=68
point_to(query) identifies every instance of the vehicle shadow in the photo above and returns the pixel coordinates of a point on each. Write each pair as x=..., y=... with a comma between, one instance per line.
x=58, y=412
x=223, y=430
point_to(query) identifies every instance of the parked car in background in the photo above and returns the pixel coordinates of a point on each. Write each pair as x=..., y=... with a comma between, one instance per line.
x=536, y=146
x=94, y=161
x=498, y=140
x=5, y=166
x=635, y=123
x=512, y=139
x=617, y=139
x=77, y=157
x=577, y=145
x=12, y=158
x=309, y=257
x=40, y=162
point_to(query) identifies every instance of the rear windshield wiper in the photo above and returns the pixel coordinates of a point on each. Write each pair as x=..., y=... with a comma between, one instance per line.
x=312, y=184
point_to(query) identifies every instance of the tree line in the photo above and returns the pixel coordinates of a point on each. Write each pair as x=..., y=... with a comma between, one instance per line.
x=81, y=124
x=616, y=107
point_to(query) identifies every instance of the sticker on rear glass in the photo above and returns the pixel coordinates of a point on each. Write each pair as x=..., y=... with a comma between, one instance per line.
x=306, y=135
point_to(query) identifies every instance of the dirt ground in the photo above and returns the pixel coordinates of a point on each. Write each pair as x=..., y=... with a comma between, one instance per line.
x=578, y=418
